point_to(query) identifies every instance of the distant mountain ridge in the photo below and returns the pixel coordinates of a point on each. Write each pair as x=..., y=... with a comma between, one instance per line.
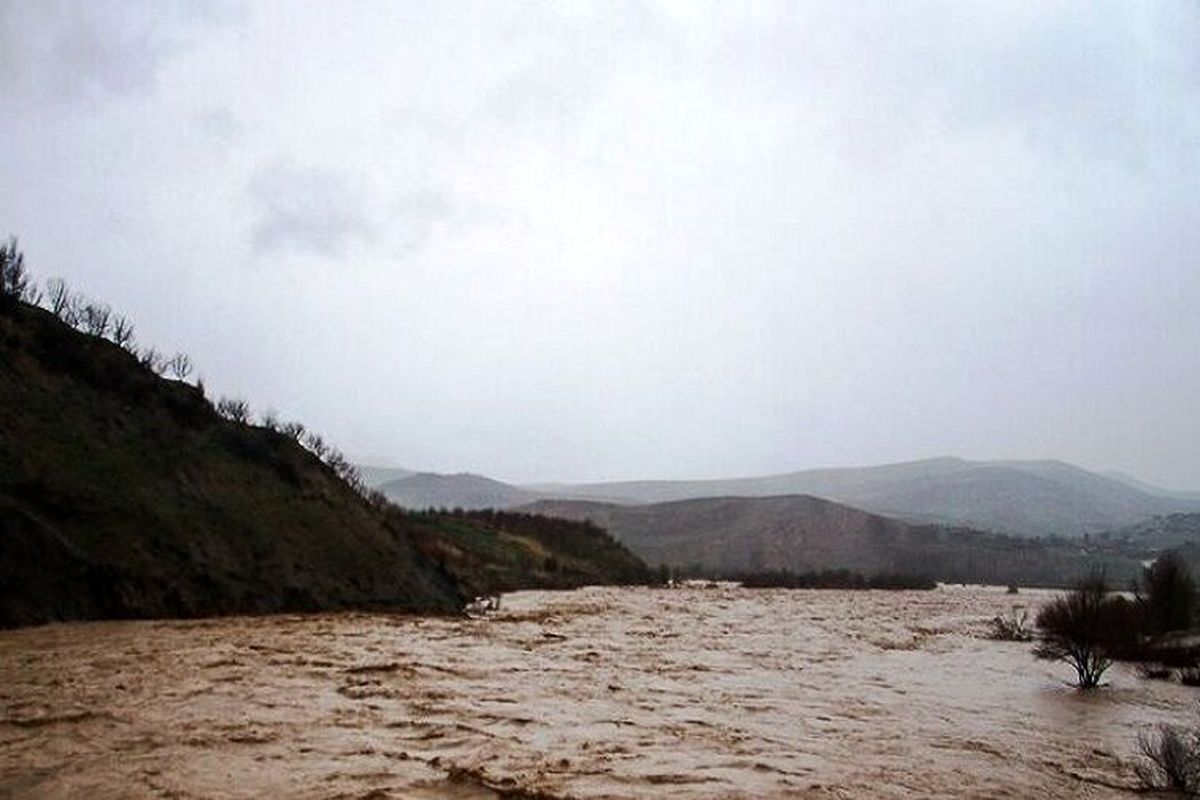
x=1030, y=498
x=424, y=490
x=375, y=476
x=1022, y=498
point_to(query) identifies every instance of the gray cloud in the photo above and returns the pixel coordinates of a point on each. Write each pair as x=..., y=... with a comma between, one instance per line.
x=307, y=210
x=220, y=125
x=668, y=239
x=415, y=215
x=64, y=50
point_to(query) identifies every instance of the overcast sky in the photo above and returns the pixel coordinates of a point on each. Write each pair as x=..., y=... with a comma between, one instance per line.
x=583, y=241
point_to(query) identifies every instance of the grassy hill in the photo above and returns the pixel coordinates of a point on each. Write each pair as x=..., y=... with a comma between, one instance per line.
x=738, y=535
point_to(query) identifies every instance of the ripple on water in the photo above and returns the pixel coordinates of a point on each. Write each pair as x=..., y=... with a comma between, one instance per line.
x=638, y=693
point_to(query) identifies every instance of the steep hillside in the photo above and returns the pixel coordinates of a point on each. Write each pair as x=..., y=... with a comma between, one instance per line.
x=1029, y=498
x=734, y=535
x=123, y=494
x=491, y=551
x=471, y=492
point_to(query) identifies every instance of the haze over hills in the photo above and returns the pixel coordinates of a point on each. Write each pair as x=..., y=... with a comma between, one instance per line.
x=1024, y=498
x=799, y=533
x=1150, y=488
x=424, y=490
x=1031, y=498
x=375, y=476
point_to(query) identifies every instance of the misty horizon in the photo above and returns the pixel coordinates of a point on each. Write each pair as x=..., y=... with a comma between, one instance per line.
x=637, y=241
x=1115, y=473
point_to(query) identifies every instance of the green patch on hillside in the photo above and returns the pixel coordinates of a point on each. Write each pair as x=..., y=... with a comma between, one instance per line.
x=492, y=551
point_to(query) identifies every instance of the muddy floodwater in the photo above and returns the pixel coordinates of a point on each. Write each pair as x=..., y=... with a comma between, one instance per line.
x=620, y=693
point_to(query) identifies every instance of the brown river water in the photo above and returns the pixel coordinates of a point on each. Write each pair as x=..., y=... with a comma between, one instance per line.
x=596, y=693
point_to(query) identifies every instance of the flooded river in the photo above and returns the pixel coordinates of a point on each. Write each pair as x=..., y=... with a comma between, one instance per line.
x=597, y=693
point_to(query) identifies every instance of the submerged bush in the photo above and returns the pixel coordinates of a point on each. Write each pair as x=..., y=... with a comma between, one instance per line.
x=1012, y=628
x=1170, y=594
x=1170, y=760
x=1086, y=628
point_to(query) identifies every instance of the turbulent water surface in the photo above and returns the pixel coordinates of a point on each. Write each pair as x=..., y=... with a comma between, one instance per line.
x=629, y=693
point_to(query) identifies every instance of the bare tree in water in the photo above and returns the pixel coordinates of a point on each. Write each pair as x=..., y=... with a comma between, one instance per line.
x=1080, y=628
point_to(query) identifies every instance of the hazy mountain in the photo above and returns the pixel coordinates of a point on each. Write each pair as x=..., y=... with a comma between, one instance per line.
x=730, y=535
x=377, y=476
x=1020, y=497
x=1150, y=488
x=464, y=490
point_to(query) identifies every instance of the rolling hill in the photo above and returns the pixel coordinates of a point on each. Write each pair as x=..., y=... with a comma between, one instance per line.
x=737, y=535
x=1029, y=498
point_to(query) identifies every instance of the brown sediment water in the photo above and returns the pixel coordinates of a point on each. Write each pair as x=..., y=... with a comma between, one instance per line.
x=596, y=693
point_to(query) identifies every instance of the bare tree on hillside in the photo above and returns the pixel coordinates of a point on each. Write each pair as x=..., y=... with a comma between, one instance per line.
x=152, y=360
x=96, y=318
x=58, y=294
x=15, y=284
x=235, y=410
x=180, y=366
x=122, y=331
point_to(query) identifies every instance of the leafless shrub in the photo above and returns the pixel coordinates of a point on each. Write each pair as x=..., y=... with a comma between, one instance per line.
x=316, y=445
x=72, y=312
x=15, y=283
x=1170, y=760
x=1014, y=627
x=122, y=331
x=235, y=410
x=294, y=430
x=180, y=366
x=336, y=461
x=269, y=420
x=1082, y=628
x=96, y=318
x=58, y=295
x=152, y=360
